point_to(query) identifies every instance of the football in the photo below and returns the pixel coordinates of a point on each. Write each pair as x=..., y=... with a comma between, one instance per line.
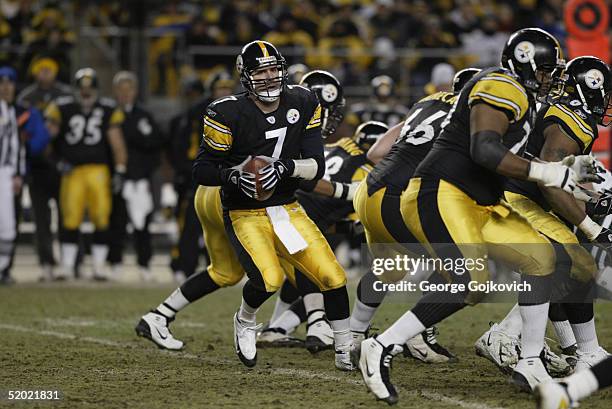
x=254, y=166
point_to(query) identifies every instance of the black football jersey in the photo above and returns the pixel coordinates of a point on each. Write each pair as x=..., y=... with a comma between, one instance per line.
x=82, y=137
x=421, y=127
x=235, y=128
x=345, y=162
x=450, y=158
x=389, y=114
x=575, y=122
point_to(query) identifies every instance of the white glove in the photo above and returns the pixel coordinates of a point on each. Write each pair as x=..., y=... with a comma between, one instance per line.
x=585, y=167
x=553, y=174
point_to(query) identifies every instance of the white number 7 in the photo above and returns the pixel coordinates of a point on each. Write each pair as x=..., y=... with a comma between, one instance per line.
x=280, y=134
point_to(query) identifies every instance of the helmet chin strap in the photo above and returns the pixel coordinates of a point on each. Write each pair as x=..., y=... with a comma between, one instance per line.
x=582, y=98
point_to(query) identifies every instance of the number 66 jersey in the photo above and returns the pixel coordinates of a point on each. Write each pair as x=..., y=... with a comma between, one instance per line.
x=234, y=128
x=83, y=135
x=421, y=127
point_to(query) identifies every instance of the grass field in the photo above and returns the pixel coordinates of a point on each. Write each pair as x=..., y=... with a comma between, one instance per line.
x=80, y=340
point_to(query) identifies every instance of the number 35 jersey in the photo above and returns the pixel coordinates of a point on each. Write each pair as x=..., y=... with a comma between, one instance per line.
x=234, y=128
x=83, y=136
x=450, y=159
x=421, y=127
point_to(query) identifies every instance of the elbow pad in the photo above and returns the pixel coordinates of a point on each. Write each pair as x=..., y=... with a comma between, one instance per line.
x=487, y=150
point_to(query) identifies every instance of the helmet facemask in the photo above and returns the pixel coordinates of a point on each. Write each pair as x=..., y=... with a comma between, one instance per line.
x=265, y=83
x=331, y=118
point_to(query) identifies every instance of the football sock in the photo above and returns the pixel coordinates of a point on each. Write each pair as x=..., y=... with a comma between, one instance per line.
x=342, y=334
x=564, y=332
x=198, y=285
x=406, y=327
x=246, y=313
x=534, y=318
x=337, y=304
x=512, y=323
x=288, y=322
x=99, y=252
x=69, y=255
x=584, y=383
x=313, y=304
x=361, y=317
x=586, y=336
x=603, y=373
x=286, y=296
x=280, y=307
x=366, y=292
x=173, y=304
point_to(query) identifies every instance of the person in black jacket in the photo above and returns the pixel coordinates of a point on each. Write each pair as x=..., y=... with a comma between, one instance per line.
x=132, y=198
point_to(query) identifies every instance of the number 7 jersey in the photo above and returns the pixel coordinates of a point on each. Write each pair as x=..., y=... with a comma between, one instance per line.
x=83, y=136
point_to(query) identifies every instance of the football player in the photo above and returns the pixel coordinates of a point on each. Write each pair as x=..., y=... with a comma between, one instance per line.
x=454, y=198
x=283, y=123
x=566, y=126
x=567, y=392
x=89, y=129
x=382, y=107
x=396, y=156
x=225, y=269
x=134, y=202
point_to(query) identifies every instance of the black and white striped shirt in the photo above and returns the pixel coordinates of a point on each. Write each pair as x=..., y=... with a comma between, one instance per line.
x=12, y=154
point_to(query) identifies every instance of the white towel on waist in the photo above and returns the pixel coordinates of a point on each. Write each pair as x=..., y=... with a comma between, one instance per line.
x=284, y=230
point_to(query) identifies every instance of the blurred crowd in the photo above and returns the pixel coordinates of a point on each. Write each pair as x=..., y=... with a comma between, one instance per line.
x=354, y=39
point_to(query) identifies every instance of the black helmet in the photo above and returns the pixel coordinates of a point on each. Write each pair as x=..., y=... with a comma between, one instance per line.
x=86, y=77
x=256, y=55
x=530, y=50
x=383, y=86
x=589, y=80
x=462, y=77
x=329, y=92
x=368, y=133
x=220, y=79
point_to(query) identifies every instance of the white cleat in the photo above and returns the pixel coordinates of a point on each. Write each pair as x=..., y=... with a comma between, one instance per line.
x=586, y=360
x=319, y=336
x=375, y=365
x=277, y=337
x=499, y=348
x=245, y=338
x=553, y=395
x=556, y=365
x=528, y=373
x=344, y=358
x=424, y=347
x=154, y=327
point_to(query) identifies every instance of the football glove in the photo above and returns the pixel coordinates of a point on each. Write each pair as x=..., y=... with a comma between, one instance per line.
x=244, y=181
x=275, y=172
x=600, y=206
x=585, y=167
x=553, y=174
x=604, y=239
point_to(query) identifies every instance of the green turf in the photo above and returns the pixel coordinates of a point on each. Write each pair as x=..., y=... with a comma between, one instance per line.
x=93, y=356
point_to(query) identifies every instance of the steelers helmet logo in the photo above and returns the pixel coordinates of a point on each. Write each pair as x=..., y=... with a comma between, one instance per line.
x=329, y=93
x=524, y=51
x=293, y=115
x=594, y=79
x=239, y=64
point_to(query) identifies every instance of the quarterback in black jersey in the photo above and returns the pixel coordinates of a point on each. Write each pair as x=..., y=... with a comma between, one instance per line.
x=454, y=198
x=88, y=129
x=567, y=125
x=378, y=205
x=281, y=122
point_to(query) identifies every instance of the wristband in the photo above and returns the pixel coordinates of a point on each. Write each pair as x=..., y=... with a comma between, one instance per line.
x=590, y=228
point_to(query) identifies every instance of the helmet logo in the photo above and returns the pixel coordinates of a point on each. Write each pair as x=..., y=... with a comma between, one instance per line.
x=293, y=115
x=329, y=92
x=594, y=79
x=239, y=63
x=524, y=51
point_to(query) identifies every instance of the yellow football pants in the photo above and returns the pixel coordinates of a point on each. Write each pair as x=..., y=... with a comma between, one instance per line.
x=260, y=251
x=86, y=187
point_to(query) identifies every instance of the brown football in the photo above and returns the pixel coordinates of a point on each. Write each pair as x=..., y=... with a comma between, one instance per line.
x=254, y=166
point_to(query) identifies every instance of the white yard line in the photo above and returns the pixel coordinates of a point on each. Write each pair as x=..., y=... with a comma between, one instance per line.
x=299, y=373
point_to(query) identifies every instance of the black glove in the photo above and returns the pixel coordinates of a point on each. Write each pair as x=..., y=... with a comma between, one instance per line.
x=275, y=172
x=117, y=182
x=604, y=239
x=602, y=206
x=244, y=181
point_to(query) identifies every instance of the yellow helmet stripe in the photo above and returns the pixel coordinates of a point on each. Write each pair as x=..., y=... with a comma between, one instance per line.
x=264, y=49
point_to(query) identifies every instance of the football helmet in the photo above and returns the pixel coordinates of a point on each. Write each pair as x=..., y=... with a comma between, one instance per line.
x=462, y=77
x=296, y=72
x=535, y=56
x=255, y=56
x=331, y=97
x=86, y=78
x=589, y=80
x=368, y=133
x=383, y=86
